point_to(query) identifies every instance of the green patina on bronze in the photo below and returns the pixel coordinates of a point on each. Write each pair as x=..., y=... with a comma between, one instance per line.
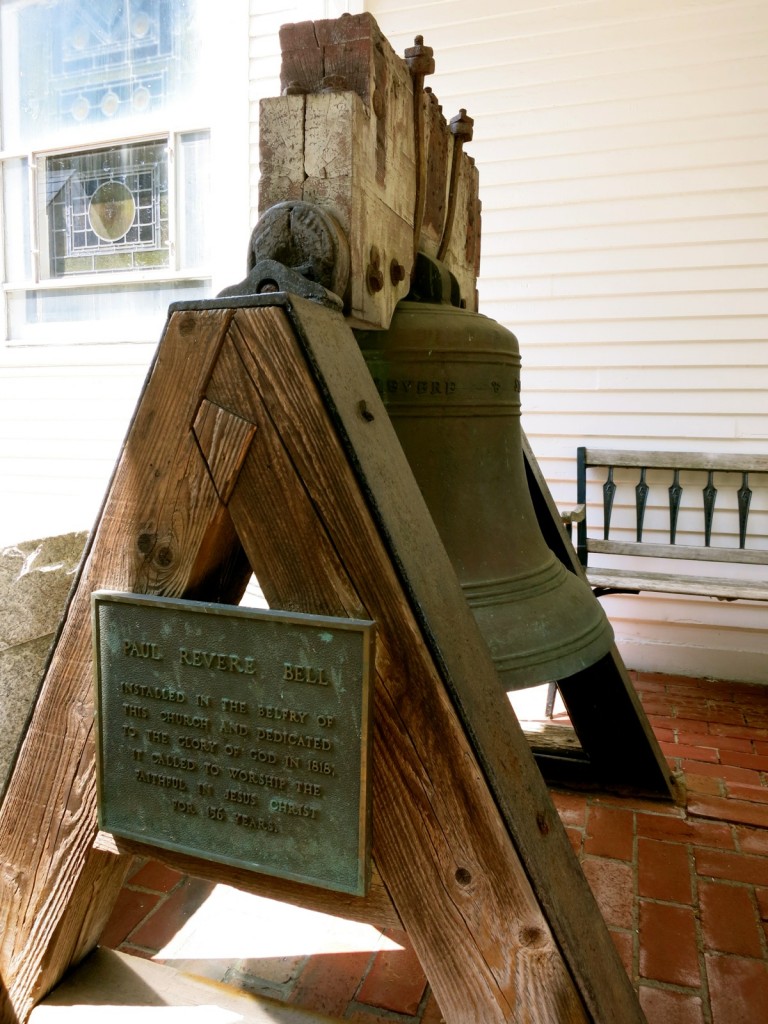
x=236, y=735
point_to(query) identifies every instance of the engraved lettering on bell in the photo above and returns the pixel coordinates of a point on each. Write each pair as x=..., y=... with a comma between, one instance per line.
x=450, y=382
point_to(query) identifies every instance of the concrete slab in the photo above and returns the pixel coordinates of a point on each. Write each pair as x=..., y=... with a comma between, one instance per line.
x=35, y=578
x=111, y=986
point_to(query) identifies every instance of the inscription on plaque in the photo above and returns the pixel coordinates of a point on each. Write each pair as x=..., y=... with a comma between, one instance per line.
x=236, y=735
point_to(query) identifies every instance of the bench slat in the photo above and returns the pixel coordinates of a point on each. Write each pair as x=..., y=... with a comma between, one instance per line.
x=707, y=586
x=677, y=460
x=691, y=552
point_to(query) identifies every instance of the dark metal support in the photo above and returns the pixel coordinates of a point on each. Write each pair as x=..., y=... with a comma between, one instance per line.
x=675, y=496
x=619, y=749
x=581, y=499
x=641, y=498
x=609, y=492
x=745, y=497
x=710, y=494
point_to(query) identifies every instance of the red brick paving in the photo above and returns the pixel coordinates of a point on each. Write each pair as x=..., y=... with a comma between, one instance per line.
x=668, y=944
x=329, y=982
x=684, y=890
x=671, y=1007
x=160, y=926
x=663, y=871
x=739, y=989
x=395, y=980
x=730, y=919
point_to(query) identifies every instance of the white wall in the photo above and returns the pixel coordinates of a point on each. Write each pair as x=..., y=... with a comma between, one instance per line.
x=66, y=402
x=622, y=150
x=623, y=155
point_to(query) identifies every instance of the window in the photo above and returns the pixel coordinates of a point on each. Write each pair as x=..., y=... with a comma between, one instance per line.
x=105, y=163
x=106, y=209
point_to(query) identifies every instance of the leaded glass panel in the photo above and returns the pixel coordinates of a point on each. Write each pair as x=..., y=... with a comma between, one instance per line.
x=71, y=62
x=107, y=209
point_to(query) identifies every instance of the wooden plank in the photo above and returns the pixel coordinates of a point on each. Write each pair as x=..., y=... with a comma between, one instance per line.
x=668, y=583
x=492, y=934
x=692, y=552
x=441, y=609
x=114, y=986
x=348, y=144
x=601, y=701
x=162, y=530
x=425, y=817
x=224, y=440
x=374, y=908
x=678, y=460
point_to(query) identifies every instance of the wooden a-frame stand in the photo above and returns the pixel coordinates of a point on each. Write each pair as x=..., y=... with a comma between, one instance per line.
x=260, y=443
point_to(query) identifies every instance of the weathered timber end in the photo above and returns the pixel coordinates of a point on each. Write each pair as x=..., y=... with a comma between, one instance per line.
x=348, y=136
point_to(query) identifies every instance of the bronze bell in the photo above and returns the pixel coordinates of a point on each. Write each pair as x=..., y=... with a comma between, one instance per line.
x=450, y=381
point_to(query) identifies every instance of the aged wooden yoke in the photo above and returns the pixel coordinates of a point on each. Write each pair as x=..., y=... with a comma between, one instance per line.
x=260, y=444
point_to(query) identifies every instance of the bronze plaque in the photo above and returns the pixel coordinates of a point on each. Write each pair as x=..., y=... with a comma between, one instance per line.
x=237, y=735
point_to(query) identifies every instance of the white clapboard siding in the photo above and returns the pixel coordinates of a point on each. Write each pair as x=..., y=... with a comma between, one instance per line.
x=64, y=405
x=623, y=150
x=64, y=411
x=623, y=156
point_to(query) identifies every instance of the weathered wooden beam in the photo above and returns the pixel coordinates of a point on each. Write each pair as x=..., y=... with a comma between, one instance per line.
x=466, y=840
x=375, y=907
x=441, y=848
x=343, y=136
x=621, y=751
x=162, y=530
x=454, y=641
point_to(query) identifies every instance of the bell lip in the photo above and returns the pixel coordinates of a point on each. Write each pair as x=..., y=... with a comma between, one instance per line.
x=535, y=672
x=530, y=640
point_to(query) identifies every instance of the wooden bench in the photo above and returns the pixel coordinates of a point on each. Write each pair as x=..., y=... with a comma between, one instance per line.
x=710, y=536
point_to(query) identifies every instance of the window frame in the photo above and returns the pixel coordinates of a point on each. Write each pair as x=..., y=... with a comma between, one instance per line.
x=183, y=116
x=39, y=281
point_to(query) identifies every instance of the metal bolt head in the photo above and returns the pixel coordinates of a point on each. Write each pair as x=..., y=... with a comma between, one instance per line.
x=461, y=126
x=396, y=272
x=420, y=58
x=375, y=278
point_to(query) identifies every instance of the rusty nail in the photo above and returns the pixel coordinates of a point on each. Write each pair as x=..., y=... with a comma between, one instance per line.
x=364, y=411
x=379, y=106
x=396, y=272
x=375, y=278
x=374, y=274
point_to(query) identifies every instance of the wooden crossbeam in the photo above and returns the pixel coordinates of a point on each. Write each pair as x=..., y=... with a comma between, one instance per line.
x=260, y=442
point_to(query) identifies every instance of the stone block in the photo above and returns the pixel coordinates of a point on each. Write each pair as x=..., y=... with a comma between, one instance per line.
x=35, y=579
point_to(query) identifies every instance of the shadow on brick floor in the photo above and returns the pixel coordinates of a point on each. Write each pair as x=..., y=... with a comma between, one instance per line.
x=684, y=890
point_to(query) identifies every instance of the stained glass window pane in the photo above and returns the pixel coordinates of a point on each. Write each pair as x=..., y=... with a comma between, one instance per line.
x=72, y=62
x=107, y=209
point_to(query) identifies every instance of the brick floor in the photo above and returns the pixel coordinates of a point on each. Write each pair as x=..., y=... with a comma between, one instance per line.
x=684, y=891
